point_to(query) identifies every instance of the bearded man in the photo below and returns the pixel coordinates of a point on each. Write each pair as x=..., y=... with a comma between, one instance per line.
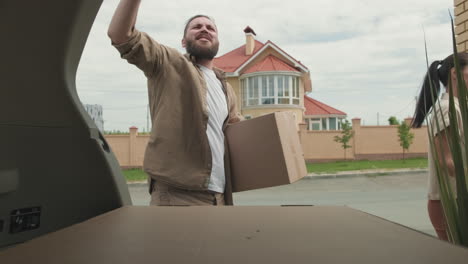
x=191, y=105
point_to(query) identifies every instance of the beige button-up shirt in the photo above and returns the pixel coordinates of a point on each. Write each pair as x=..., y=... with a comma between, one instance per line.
x=178, y=152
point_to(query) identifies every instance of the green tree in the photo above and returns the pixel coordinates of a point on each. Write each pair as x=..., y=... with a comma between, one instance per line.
x=347, y=134
x=393, y=121
x=405, y=137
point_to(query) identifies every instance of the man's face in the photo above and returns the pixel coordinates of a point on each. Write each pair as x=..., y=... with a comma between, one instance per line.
x=201, y=39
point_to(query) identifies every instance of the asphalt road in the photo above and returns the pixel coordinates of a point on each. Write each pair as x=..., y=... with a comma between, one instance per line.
x=399, y=198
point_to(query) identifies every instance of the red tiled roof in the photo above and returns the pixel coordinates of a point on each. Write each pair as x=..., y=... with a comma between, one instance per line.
x=270, y=63
x=232, y=60
x=314, y=107
x=299, y=62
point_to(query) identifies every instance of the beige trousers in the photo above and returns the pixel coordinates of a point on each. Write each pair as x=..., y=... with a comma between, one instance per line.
x=165, y=195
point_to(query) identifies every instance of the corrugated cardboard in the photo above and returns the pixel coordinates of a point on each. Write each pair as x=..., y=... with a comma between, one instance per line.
x=260, y=234
x=265, y=152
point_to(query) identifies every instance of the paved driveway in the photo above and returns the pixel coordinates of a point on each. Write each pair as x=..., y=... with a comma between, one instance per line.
x=399, y=198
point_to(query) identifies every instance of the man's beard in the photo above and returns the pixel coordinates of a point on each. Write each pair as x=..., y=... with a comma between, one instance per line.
x=201, y=53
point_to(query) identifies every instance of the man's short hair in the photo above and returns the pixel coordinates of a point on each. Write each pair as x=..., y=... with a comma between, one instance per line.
x=192, y=18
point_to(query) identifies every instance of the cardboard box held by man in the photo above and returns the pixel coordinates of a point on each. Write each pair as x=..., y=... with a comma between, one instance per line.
x=265, y=152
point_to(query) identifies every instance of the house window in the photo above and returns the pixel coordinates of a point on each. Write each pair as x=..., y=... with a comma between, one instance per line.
x=324, y=123
x=270, y=89
x=283, y=89
x=295, y=91
x=340, y=120
x=244, y=92
x=253, y=91
x=332, y=122
x=314, y=124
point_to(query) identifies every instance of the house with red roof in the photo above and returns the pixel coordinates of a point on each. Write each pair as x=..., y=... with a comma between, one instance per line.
x=267, y=79
x=319, y=116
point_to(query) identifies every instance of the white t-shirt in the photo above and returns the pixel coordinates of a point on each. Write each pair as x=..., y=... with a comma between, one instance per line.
x=217, y=113
x=441, y=112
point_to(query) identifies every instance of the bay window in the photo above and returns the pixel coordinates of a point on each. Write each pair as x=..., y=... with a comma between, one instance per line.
x=270, y=89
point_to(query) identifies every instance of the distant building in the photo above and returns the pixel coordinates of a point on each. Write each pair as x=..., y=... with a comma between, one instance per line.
x=319, y=116
x=265, y=78
x=95, y=112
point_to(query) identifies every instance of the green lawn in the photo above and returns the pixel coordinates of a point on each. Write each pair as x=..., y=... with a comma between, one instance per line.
x=329, y=167
x=134, y=175
x=332, y=167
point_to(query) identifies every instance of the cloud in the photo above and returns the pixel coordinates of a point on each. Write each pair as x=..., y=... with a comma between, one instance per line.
x=365, y=57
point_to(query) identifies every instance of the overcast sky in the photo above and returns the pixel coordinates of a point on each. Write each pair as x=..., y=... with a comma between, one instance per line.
x=366, y=57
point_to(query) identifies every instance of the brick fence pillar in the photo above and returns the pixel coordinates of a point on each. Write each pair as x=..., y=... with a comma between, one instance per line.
x=408, y=120
x=356, y=123
x=132, y=146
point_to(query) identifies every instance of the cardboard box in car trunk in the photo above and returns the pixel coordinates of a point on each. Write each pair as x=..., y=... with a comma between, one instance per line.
x=265, y=152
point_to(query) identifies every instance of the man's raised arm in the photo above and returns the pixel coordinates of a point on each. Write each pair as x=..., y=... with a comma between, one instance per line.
x=123, y=21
